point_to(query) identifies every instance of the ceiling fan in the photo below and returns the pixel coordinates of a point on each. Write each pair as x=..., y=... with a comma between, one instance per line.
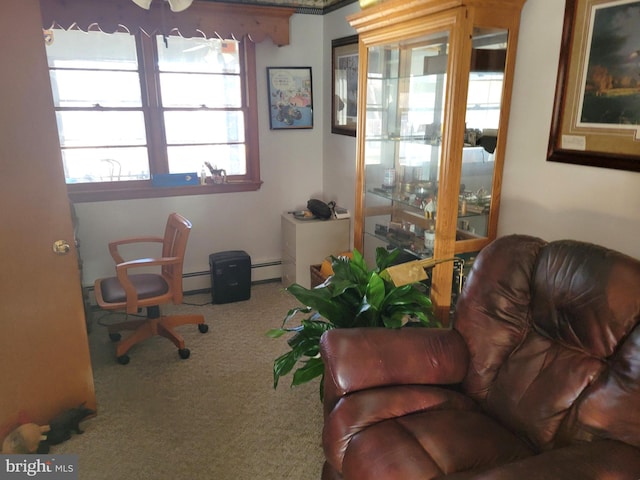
x=175, y=5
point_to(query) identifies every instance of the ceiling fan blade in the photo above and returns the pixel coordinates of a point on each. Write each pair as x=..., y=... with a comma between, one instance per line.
x=143, y=3
x=175, y=5
x=179, y=5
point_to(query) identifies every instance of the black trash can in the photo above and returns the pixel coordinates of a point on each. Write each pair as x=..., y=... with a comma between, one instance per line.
x=230, y=276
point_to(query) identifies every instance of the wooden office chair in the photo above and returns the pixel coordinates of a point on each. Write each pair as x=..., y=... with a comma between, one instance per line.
x=130, y=292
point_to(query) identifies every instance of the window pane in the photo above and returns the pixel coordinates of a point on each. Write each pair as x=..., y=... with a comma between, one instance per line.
x=204, y=127
x=85, y=88
x=101, y=109
x=231, y=158
x=195, y=90
x=77, y=49
x=86, y=129
x=198, y=55
x=105, y=164
x=484, y=99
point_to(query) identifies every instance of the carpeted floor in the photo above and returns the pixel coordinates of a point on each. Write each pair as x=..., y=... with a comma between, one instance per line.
x=213, y=416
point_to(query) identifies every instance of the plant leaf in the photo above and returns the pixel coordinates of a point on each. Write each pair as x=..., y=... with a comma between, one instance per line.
x=293, y=312
x=385, y=258
x=283, y=365
x=358, y=260
x=353, y=296
x=314, y=367
x=276, y=332
x=394, y=320
x=320, y=299
x=375, y=291
x=341, y=267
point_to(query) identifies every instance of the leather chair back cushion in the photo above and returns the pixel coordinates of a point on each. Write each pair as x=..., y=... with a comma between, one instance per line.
x=558, y=359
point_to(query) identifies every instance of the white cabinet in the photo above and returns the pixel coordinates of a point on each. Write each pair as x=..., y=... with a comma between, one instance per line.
x=309, y=242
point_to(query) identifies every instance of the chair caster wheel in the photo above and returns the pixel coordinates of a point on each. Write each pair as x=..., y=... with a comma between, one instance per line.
x=203, y=327
x=115, y=337
x=184, y=353
x=123, y=359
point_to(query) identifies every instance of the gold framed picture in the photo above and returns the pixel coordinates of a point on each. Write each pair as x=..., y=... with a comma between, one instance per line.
x=596, y=117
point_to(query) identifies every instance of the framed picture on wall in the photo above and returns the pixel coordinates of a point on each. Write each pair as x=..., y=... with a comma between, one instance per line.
x=596, y=117
x=290, y=97
x=344, y=85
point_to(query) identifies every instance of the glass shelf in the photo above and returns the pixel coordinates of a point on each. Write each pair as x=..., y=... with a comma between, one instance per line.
x=407, y=242
x=475, y=206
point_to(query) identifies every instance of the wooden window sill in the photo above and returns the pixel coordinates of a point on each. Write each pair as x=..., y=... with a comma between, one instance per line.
x=79, y=195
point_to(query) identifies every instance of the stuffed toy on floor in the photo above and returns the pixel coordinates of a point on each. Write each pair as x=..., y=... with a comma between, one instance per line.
x=33, y=438
x=63, y=425
x=27, y=438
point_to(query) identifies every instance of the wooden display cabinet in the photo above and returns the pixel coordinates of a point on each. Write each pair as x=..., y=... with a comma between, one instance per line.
x=434, y=93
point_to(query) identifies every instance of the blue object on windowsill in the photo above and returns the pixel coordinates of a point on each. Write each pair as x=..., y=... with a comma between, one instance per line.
x=174, y=179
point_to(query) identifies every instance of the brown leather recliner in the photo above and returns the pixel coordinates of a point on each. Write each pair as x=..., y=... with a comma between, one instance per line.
x=538, y=378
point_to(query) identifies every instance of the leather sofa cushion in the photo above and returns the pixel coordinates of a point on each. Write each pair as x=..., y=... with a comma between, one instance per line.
x=430, y=444
x=358, y=411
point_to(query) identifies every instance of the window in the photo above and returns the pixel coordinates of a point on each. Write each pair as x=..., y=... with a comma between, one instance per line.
x=132, y=106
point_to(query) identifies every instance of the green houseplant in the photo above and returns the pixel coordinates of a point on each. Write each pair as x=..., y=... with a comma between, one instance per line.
x=354, y=296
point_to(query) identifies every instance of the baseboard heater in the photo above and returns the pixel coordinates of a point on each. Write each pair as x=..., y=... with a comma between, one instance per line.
x=207, y=273
x=254, y=266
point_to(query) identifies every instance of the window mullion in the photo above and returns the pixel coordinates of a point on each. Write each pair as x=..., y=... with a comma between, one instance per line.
x=152, y=104
x=249, y=104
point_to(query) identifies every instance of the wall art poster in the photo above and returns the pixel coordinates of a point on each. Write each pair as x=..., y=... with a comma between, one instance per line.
x=290, y=97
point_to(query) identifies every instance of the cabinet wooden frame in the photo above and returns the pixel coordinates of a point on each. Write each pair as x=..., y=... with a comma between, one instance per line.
x=397, y=22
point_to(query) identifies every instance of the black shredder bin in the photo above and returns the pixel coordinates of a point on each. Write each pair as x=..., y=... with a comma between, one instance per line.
x=230, y=276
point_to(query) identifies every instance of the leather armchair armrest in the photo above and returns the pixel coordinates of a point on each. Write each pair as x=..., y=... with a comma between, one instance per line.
x=361, y=358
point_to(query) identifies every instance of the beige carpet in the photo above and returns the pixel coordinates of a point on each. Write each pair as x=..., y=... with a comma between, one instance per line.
x=212, y=416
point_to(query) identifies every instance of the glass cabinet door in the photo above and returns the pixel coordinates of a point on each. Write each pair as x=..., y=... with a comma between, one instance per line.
x=404, y=117
x=434, y=94
x=405, y=97
x=482, y=119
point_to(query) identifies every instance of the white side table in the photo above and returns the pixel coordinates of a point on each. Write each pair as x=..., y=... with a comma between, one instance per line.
x=309, y=242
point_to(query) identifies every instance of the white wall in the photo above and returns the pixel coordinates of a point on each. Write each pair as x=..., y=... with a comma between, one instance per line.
x=541, y=198
x=291, y=169
x=554, y=200
x=339, y=175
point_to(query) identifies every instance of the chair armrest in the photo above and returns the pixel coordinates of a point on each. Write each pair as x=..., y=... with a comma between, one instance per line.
x=360, y=358
x=113, y=245
x=147, y=262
